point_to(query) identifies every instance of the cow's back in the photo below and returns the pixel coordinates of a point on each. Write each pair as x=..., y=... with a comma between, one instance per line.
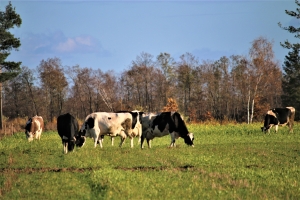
x=67, y=125
x=147, y=120
x=283, y=114
x=37, y=123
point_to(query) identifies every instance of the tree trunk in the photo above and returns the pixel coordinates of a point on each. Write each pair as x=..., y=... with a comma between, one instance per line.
x=252, y=111
x=248, y=108
x=1, y=124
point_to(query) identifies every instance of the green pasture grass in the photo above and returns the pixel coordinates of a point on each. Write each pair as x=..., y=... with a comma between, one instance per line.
x=232, y=161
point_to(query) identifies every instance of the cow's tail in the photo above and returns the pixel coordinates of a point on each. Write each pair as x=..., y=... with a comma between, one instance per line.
x=292, y=117
x=293, y=112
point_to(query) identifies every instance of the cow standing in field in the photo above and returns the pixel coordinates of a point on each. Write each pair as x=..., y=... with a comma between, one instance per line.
x=68, y=130
x=98, y=124
x=279, y=117
x=34, y=128
x=136, y=131
x=164, y=124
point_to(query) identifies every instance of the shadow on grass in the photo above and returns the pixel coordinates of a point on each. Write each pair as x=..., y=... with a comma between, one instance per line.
x=34, y=170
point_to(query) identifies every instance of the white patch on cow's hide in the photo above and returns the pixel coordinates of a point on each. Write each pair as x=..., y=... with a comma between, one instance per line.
x=270, y=112
x=191, y=135
x=292, y=109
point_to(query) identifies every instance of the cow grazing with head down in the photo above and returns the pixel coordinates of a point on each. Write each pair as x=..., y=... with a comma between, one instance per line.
x=279, y=117
x=98, y=124
x=68, y=130
x=34, y=128
x=164, y=124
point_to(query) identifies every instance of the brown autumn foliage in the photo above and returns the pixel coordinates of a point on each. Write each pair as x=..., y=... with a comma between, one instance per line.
x=171, y=106
x=208, y=90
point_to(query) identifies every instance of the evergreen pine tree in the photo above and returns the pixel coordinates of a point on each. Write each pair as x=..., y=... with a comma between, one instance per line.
x=291, y=66
x=8, y=69
x=291, y=79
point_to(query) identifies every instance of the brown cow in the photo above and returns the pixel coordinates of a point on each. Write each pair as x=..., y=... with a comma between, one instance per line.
x=34, y=127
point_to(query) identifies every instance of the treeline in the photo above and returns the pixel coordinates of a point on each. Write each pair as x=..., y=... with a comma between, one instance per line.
x=238, y=87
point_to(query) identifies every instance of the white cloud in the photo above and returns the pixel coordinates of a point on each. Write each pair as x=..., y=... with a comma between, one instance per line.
x=66, y=46
x=84, y=40
x=57, y=43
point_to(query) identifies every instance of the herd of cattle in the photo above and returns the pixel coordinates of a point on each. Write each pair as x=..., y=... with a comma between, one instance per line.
x=135, y=124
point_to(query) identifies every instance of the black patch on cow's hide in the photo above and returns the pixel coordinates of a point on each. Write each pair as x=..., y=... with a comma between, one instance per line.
x=134, y=119
x=91, y=122
x=109, y=118
x=28, y=127
x=181, y=127
x=162, y=120
x=282, y=114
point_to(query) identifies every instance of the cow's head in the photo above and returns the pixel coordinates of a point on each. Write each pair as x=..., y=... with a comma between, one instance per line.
x=28, y=133
x=80, y=141
x=69, y=143
x=265, y=129
x=189, y=139
x=270, y=119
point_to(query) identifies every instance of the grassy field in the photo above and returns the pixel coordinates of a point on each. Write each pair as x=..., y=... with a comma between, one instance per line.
x=227, y=162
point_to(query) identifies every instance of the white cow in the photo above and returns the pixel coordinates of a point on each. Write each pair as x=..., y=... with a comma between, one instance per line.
x=163, y=124
x=112, y=124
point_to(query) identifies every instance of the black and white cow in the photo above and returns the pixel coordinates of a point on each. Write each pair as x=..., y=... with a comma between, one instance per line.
x=68, y=130
x=163, y=124
x=99, y=124
x=279, y=116
x=136, y=131
x=34, y=128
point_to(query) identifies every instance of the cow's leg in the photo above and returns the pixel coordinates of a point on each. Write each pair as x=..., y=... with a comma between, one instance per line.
x=149, y=142
x=139, y=141
x=95, y=142
x=100, y=140
x=112, y=141
x=123, y=137
x=276, y=128
x=142, y=140
x=38, y=134
x=172, y=139
x=101, y=143
x=96, y=135
x=149, y=137
x=131, y=142
x=291, y=127
x=65, y=144
x=122, y=141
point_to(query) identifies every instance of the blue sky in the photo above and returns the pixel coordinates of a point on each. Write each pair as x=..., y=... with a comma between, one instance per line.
x=110, y=34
